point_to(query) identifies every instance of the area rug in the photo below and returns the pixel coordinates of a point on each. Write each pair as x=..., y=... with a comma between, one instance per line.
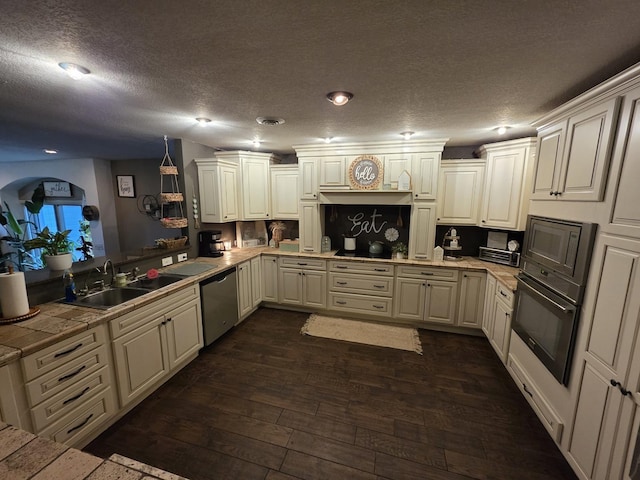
x=401, y=338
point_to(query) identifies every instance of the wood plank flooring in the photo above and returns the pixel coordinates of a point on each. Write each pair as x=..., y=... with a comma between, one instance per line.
x=266, y=403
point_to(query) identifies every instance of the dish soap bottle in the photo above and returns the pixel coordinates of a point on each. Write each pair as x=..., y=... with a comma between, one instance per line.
x=69, y=286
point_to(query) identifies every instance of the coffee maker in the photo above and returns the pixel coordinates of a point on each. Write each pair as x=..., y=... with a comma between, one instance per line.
x=210, y=243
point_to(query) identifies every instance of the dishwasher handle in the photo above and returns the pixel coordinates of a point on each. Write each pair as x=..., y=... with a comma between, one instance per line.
x=219, y=277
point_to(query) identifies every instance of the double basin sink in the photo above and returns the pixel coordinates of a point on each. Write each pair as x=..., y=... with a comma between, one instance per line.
x=113, y=296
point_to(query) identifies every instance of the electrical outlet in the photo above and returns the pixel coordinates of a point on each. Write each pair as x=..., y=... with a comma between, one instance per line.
x=182, y=257
x=166, y=261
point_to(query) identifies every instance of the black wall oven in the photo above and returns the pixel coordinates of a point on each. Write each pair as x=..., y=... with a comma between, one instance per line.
x=551, y=285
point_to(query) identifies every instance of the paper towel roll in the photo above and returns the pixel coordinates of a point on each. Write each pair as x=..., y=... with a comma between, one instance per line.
x=13, y=295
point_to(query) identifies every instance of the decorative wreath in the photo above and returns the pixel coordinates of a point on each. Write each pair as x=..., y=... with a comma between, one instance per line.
x=365, y=173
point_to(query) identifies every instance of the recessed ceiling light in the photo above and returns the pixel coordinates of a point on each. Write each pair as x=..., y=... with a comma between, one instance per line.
x=339, y=98
x=501, y=130
x=203, y=121
x=73, y=70
x=407, y=135
x=49, y=151
x=270, y=121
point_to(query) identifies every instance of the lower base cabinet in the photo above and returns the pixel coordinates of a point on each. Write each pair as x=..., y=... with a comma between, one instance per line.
x=500, y=323
x=471, y=304
x=303, y=282
x=165, y=340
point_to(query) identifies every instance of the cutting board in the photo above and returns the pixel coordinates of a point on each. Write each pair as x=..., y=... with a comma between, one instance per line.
x=190, y=269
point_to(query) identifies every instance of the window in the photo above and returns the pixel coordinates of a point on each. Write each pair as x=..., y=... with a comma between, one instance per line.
x=58, y=218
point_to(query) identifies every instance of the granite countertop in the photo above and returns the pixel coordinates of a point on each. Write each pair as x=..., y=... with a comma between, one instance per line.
x=25, y=455
x=58, y=321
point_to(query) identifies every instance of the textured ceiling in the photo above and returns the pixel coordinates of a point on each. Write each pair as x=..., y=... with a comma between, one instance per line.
x=450, y=68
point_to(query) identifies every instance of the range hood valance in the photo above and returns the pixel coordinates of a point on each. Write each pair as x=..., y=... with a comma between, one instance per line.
x=365, y=197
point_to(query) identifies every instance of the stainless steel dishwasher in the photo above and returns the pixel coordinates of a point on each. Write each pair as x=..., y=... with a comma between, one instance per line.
x=219, y=297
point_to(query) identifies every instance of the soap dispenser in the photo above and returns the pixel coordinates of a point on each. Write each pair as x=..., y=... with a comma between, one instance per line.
x=69, y=286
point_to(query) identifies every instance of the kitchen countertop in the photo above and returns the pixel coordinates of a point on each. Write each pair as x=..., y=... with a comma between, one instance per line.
x=25, y=455
x=58, y=321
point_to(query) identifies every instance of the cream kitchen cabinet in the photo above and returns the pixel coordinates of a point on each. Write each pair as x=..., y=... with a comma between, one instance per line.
x=500, y=323
x=285, y=198
x=333, y=172
x=394, y=165
x=68, y=386
x=489, y=305
x=308, y=178
x=151, y=343
x=424, y=176
x=471, y=303
x=422, y=234
x=505, y=197
x=426, y=294
x=302, y=282
x=609, y=393
x=270, y=278
x=256, y=196
x=256, y=281
x=247, y=285
x=460, y=184
x=218, y=186
x=310, y=226
x=361, y=288
x=574, y=154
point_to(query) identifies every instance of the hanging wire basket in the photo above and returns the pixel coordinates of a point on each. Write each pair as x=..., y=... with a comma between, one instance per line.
x=170, y=195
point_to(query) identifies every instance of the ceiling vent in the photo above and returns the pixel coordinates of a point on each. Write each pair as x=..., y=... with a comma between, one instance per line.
x=270, y=121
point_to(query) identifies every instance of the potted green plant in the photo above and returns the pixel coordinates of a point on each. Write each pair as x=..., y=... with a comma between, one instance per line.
x=400, y=250
x=56, y=248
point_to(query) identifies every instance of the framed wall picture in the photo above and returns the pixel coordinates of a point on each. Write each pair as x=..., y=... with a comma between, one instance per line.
x=126, y=187
x=57, y=189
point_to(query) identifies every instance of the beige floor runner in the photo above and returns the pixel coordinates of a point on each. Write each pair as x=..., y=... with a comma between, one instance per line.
x=401, y=338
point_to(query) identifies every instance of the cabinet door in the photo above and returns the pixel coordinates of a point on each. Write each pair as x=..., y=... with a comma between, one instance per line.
x=184, y=332
x=503, y=185
x=270, y=279
x=409, y=298
x=209, y=194
x=255, y=189
x=256, y=281
x=309, y=228
x=423, y=231
x=441, y=302
x=308, y=181
x=228, y=188
x=501, y=329
x=587, y=152
x=284, y=194
x=141, y=359
x=290, y=286
x=626, y=214
x=471, y=303
x=547, y=170
x=459, y=193
x=489, y=305
x=394, y=165
x=314, y=286
x=244, y=289
x=333, y=172
x=612, y=341
x=424, y=179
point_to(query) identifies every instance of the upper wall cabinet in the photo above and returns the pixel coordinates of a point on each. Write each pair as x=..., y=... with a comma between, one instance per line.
x=284, y=192
x=460, y=192
x=505, y=198
x=308, y=178
x=425, y=175
x=574, y=154
x=218, y=182
x=333, y=172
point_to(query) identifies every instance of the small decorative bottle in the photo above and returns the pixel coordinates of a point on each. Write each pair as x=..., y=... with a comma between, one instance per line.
x=69, y=286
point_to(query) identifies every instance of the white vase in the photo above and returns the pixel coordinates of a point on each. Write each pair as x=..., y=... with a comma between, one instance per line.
x=61, y=261
x=399, y=255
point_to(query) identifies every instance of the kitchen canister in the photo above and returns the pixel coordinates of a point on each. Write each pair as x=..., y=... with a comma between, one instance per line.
x=350, y=243
x=13, y=295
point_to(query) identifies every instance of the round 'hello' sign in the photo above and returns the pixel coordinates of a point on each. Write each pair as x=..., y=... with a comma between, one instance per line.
x=365, y=173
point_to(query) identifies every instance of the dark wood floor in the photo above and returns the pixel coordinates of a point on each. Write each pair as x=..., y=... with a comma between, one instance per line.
x=265, y=402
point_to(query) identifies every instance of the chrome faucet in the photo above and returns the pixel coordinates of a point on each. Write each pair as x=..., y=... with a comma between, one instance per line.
x=88, y=287
x=113, y=270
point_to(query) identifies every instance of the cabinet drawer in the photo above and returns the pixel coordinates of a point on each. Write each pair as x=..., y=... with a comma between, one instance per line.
x=366, y=284
x=532, y=394
x=361, y=267
x=69, y=399
x=360, y=304
x=432, y=273
x=62, y=352
x=130, y=321
x=81, y=421
x=305, y=263
x=57, y=380
x=504, y=294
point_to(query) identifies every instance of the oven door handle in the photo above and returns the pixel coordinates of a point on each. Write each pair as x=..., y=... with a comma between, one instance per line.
x=564, y=309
